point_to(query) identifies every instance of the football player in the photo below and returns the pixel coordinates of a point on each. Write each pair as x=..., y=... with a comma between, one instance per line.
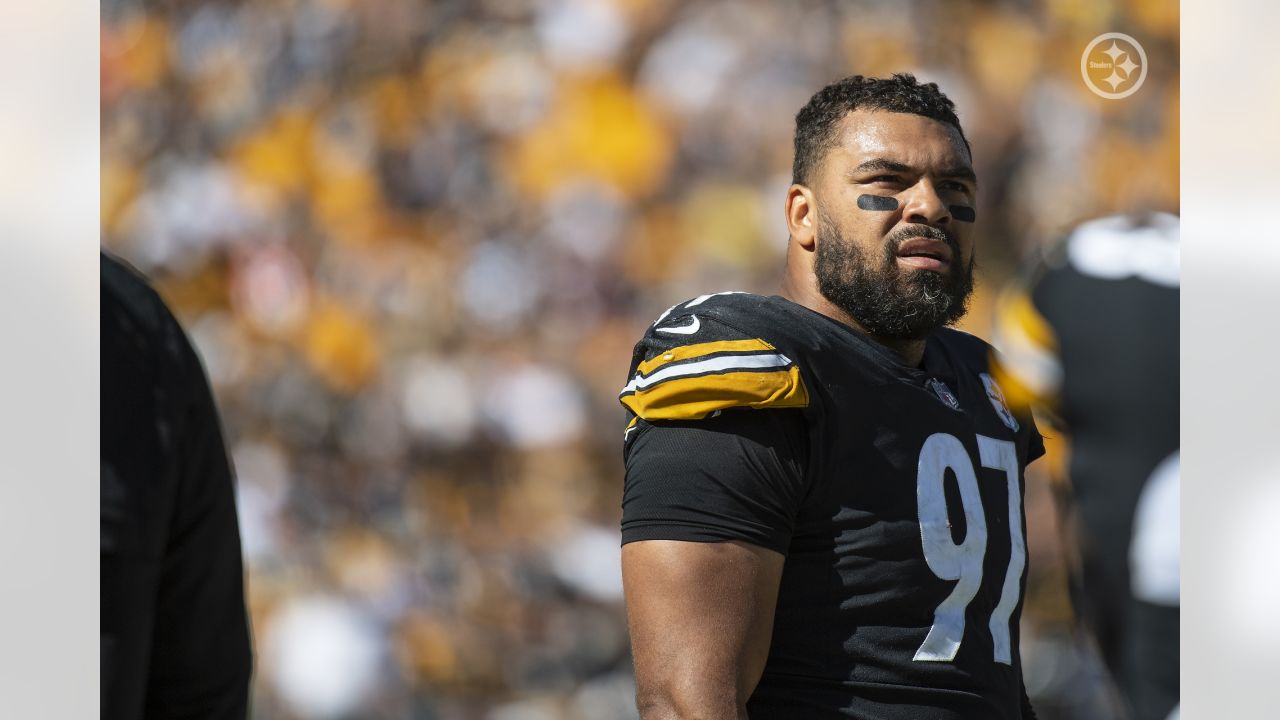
x=1091, y=336
x=822, y=511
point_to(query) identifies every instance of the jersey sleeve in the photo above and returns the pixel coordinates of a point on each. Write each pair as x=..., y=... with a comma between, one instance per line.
x=716, y=444
x=1027, y=366
x=737, y=476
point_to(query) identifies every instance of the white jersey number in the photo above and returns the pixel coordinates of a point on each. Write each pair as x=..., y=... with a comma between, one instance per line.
x=963, y=561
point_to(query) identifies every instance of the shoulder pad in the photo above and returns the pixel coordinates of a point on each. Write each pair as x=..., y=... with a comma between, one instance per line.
x=722, y=304
x=701, y=357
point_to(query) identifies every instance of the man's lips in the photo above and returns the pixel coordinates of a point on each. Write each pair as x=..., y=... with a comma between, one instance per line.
x=925, y=252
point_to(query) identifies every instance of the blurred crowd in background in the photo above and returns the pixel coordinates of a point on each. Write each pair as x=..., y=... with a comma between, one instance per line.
x=414, y=243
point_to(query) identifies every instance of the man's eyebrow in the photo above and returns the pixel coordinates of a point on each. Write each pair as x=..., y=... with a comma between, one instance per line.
x=881, y=165
x=962, y=172
x=959, y=172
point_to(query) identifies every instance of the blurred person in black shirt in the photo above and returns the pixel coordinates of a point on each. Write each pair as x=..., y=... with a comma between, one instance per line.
x=175, y=633
x=1090, y=336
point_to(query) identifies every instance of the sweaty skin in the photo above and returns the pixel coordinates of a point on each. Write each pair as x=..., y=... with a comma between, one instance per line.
x=701, y=614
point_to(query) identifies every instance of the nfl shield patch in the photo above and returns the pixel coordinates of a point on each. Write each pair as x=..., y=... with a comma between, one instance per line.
x=997, y=402
x=944, y=393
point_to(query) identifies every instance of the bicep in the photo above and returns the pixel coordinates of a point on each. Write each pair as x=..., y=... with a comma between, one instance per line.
x=701, y=617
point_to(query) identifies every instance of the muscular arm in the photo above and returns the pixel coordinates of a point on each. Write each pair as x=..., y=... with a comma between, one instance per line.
x=701, y=617
x=708, y=511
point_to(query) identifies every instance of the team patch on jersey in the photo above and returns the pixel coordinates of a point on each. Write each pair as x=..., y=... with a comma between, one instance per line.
x=1028, y=359
x=693, y=381
x=997, y=401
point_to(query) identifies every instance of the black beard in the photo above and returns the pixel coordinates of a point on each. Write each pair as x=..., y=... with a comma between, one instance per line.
x=887, y=302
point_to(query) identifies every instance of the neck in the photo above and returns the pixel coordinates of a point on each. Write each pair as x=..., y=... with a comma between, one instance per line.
x=807, y=295
x=911, y=351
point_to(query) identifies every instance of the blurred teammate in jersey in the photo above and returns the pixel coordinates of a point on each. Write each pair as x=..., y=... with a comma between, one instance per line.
x=175, y=634
x=1091, y=337
x=822, y=511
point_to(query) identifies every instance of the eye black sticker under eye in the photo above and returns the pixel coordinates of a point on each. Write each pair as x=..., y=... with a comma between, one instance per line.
x=963, y=213
x=877, y=202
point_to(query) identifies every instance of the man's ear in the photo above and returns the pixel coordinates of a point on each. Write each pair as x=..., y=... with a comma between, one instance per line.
x=802, y=216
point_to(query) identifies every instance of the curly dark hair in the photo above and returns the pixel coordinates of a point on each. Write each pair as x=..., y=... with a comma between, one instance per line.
x=816, y=121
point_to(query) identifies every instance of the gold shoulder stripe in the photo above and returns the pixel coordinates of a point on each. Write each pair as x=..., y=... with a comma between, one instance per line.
x=1017, y=314
x=685, y=352
x=692, y=398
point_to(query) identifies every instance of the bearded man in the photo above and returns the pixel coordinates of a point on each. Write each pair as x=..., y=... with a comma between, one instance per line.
x=822, y=511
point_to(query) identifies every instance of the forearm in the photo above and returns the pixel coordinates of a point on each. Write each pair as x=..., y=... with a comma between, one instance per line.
x=686, y=673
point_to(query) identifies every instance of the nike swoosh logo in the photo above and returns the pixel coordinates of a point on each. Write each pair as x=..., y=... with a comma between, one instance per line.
x=689, y=329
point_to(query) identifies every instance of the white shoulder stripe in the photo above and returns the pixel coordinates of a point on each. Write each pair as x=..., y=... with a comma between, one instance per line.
x=703, y=298
x=716, y=364
x=695, y=302
x=665, y=313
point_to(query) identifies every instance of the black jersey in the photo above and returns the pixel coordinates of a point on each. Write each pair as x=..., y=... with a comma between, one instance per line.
x=175, y=635
x=894, y=492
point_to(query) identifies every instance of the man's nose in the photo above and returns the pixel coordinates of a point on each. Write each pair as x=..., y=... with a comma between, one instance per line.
x=923, y=205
